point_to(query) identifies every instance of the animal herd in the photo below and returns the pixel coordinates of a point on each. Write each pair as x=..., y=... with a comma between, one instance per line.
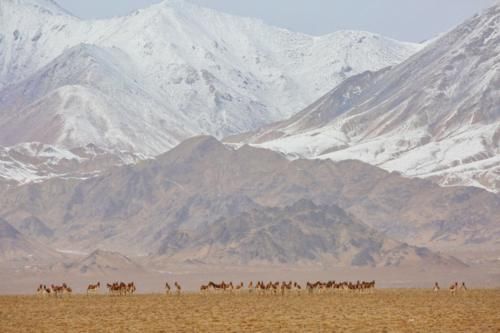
x=287, y=288
x=258, y=288
x=454, y=287
x=56, y=291
x=119, y=288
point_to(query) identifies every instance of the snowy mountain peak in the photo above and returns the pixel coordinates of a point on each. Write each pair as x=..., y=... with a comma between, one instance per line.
x=435, y=115
x=42, y=6
x=176, y=3
x=147, y=81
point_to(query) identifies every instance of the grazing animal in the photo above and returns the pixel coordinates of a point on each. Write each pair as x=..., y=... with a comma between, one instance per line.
x=297, y=288
x=93, y=288
x=57, y=290
x=250, y=287
x=66, y=290
x=454, y=288
x=167, y=289
x=130, y=288
x=178, y=288
x=239, y=287
x=436, y=287
x=118, y=288
x=203, y=289
x=40, y=291
x=463, y=287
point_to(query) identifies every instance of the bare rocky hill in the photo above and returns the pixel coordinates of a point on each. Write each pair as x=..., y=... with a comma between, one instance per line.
x=14, y=246
x=101, y=262
x=150, y=207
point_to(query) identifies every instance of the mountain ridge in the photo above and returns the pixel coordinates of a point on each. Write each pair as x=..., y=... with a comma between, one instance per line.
x=134, y=209
x=190, y=70
x=414, y=117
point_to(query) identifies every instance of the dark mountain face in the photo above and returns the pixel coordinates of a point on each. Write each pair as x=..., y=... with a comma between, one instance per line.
x=299, y=233
x=202, y=192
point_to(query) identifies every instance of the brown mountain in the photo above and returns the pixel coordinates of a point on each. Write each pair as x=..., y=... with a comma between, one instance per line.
x=298, y=233
x=14, y=246
x=147, y=208
x=103, y=262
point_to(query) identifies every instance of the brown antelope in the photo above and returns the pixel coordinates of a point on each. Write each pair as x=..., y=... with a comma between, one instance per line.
x=297, y=288
x=111, y=288
x=454, y=288
x=463, y=287
x=239, y=288
x=57, y=290
x=67, y=290
x=250, y=287
x=167, y=288
x=122, y=287
x=93, y=288
x=178, y=288
x=117, y=288
x=40, y=291
x=204, y=289
x=130, y=288
x=436, y=287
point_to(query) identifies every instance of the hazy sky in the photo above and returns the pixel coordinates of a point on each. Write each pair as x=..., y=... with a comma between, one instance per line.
x=411, y=20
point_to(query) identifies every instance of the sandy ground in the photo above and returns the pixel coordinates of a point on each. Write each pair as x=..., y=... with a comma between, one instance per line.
x=380, y=311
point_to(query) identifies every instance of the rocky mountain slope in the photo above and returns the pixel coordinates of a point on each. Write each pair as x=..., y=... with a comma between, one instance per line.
x=300, y=233
x=146, y=81
x=177, y=203
x=103, y=262
x=14, y=246
x=35, y=162
x=436, y=115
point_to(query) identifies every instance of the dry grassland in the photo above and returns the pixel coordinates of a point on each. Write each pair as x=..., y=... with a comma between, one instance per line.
x=382, y=311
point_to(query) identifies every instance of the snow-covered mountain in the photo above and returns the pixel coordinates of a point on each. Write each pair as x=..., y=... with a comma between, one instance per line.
x=436, y=115
x=148, y=80
x=35, y=162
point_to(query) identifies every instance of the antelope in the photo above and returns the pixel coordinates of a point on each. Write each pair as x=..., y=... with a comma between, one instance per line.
x=239, y=288
x=47, y=290
x=57, y=290
x=122, y=288
x=454, y=288
x=297, y=288
x=66, y=290
x=43, y=291
x=167, y=288
x=117, y=288
x=130, y=288
x=261, y=288
x=178, y=287
x=204, y=289
x=93, y=288
x=285, y=287
x=40, y=291
x=250, y=287
x=463, y=287
x=436, y=287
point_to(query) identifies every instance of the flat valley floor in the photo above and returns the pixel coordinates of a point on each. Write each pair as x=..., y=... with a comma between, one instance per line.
x=384, y=310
